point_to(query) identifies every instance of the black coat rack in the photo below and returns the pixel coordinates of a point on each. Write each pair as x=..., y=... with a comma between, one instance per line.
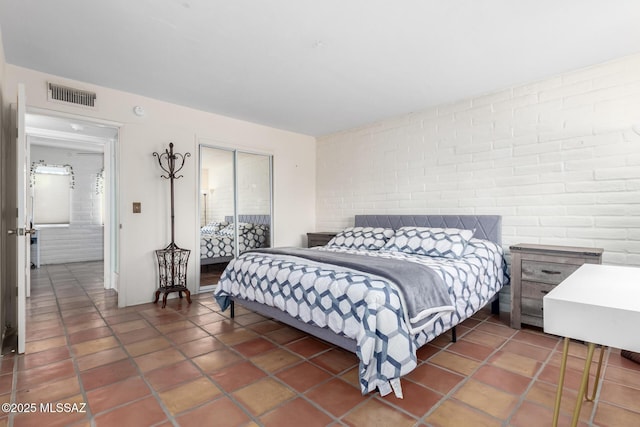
x=172, y=260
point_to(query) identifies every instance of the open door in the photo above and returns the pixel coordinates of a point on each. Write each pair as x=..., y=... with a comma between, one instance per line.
x=23, y=230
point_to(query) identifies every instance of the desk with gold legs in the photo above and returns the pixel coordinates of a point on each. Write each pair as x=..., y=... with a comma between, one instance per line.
x=598, y=304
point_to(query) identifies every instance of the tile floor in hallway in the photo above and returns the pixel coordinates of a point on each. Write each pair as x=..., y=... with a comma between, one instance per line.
x=190, y=365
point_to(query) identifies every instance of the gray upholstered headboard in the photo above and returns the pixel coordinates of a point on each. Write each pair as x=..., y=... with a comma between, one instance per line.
x=253, y=219
x=488, y=227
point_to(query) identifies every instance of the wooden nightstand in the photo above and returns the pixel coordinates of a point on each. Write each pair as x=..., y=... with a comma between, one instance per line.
x=536, y=270
x=319, y=238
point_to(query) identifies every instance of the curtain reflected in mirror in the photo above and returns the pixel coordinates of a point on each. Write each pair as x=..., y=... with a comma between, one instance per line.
x=235, y=207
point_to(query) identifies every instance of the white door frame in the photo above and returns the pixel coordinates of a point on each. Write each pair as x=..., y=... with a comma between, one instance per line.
x=111, y=242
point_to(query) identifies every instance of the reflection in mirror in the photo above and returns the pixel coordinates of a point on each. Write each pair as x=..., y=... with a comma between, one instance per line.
x=231, y=180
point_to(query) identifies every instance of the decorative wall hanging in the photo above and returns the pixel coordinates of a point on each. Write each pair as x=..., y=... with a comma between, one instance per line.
x=100, y=182
x=40, y=167
x=172, y=260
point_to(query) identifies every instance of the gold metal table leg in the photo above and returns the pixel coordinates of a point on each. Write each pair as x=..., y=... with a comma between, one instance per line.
x=583, y=384
x=563, y=368
x=595, y=386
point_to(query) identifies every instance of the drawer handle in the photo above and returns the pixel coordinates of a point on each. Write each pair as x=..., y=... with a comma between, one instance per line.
x=545, y=292
x=551, y=272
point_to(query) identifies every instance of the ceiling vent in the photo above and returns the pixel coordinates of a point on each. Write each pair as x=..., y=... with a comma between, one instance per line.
x=69, y=95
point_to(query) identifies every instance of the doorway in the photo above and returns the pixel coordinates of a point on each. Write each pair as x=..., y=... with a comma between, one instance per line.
x=87, y=149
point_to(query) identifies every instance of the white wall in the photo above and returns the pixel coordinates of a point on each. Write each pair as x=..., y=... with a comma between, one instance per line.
x=557, y=158
x=83, y=239
x=141, y=234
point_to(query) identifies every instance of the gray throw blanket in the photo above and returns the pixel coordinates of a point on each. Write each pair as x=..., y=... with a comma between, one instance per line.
x=425, y=294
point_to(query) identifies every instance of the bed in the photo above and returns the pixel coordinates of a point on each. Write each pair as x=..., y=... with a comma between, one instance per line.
x=367, y=312
x=216, y=237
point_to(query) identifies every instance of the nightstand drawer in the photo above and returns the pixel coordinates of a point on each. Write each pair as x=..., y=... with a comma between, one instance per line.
x=535, y=289
x=546, y=272
x=532, y=307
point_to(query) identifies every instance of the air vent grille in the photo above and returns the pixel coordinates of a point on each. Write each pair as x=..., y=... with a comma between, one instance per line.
x=70, y=95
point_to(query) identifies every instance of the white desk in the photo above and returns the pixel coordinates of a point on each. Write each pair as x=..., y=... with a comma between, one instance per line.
x=598, y=304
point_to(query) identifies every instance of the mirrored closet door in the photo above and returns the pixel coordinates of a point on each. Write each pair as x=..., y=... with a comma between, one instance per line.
x=235, y=207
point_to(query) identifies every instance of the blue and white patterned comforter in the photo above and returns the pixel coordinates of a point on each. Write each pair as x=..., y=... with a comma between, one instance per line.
x=366, y=308
x=219, y=243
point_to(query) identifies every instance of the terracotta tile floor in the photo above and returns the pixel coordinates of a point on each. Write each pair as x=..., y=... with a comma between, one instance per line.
x=191, y=365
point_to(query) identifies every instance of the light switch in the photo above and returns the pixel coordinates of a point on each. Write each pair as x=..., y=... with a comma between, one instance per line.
x=137, y=207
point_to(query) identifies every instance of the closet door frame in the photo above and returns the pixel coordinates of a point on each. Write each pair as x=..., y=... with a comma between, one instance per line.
x=234, y=151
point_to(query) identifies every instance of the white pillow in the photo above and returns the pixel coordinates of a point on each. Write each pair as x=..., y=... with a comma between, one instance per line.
x=213, y=227
x=435, y=242
x=368, y=238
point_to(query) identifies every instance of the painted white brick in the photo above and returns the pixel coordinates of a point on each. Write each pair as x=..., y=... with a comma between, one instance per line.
x=541, y=189
x=537, y=87
x=622, y=150
x=619, y=245
x=477, y=134
x=468, y=116
x=598, y=233
x=492, y=98
x=605, y=94
x=521, y=220
x=566, y=221
x=512, y=162
x=598, y=71
x=473, y=148
x=569, y=241
x=566, y=176
x=619, y=197
x=595, y=186
x=594, y=163
x=542, y=232
x=567, y=156
x=541, y=147
x=539, y=169
x=604, y=210
x=500, y=153
x=632, y=185
x=449, y=109
x=502, y=131
x=506, y=107
x=617, y=221
x=477, y=202
x=493, y=173
x=628, y=75
x=565, y=90
x=618, y=173
x=590, y=141
x=516, y=182
x=557, y=158
x=633, y=234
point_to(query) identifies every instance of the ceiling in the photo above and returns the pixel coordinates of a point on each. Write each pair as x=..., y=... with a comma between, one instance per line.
x=315, y=67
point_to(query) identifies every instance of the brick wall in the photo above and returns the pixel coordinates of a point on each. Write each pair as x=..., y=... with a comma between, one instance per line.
x=558, y=159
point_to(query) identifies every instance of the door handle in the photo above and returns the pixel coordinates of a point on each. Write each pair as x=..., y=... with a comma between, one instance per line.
x=22, y=231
